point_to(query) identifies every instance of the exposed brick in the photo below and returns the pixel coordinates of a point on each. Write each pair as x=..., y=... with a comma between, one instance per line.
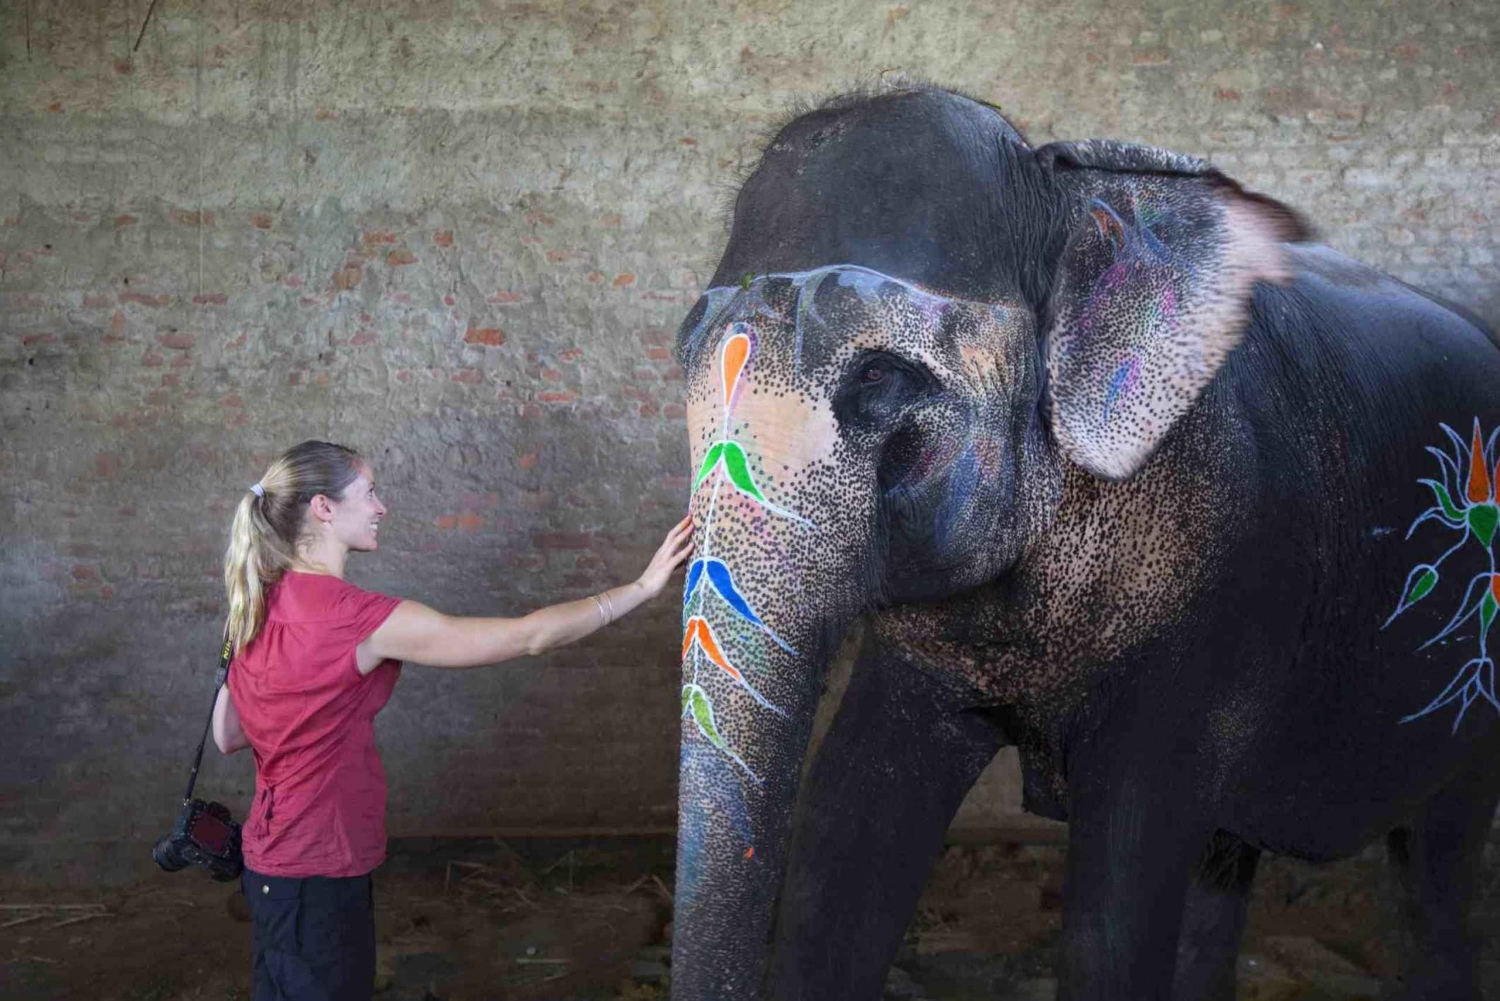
x=400, y=258
x=491, y=336
x=378, y=237
x=558, y=396
x=347, y=278
x=562, y=540
x=570, y=355
x=468, y=376
x=178, y=341
x=142, y=299
x=211, y=299
x=622, y=281
x=443, y=238
x=261, y=220
x=190, y=217
x=502, y=298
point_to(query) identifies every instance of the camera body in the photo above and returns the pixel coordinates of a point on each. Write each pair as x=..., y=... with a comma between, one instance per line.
x=205, y=835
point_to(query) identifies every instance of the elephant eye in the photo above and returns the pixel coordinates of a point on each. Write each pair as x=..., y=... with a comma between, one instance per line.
x=877, y=387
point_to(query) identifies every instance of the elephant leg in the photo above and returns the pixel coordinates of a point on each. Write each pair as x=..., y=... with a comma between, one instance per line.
x=1134, y=842
x=871, y=819
x=1213, y=919
x=1436, y=859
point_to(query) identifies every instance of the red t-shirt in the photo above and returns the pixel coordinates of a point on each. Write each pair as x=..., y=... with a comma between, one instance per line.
x=309, y=714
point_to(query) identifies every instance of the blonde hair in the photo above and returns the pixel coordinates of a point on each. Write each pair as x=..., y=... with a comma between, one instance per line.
x=268, y=525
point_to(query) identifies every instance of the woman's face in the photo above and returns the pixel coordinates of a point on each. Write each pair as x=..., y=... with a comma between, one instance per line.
x=356, y=518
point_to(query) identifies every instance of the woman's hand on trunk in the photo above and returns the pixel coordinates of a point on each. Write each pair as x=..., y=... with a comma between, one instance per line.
x=676, y=548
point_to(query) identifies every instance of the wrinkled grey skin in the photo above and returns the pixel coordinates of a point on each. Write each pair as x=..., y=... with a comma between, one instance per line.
x=1106, y=454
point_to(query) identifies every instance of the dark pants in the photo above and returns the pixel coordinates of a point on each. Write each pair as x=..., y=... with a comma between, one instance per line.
x=313, y=938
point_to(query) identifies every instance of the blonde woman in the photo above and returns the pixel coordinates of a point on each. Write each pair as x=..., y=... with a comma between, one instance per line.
x=316, y=659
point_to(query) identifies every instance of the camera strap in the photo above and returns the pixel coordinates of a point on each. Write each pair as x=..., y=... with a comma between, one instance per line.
x=226, y=653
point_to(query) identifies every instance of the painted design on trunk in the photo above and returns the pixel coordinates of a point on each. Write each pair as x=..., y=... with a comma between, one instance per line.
x=1465, y=503
x=707, y=575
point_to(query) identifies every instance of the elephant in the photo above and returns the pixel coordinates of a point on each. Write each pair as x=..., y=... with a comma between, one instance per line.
x=1117, y=465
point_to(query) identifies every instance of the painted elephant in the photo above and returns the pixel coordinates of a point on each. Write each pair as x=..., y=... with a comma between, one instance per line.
x=1123, y=470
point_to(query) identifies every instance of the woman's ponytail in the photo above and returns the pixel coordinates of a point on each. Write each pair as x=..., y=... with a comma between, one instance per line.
x=270, y=521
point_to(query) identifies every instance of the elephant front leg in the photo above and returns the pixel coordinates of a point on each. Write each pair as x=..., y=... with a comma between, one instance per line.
x=888, y=778
x=1131, y=856
x=1213, y=920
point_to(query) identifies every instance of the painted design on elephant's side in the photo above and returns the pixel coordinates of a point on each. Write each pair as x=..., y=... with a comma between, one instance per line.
x=1467, y=504
x=707, y=575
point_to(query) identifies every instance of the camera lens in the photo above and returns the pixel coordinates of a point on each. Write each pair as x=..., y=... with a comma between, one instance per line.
x=164, y=853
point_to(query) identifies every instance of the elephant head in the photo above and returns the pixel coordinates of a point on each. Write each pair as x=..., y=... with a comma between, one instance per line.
x=920, y=330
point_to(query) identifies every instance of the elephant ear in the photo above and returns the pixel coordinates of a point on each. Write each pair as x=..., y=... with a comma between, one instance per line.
x=1151, y=293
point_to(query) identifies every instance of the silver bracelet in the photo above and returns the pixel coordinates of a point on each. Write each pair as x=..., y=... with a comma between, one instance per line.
x=611, y=602
x=600, y=605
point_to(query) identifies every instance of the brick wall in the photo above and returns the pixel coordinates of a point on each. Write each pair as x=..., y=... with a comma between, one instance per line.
x=459, y=236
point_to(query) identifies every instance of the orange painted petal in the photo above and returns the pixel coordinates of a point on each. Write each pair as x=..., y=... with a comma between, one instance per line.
x=1495, y=587
x=1479, y=477
x=711, y=647
x=687, y=637
x=736, y=353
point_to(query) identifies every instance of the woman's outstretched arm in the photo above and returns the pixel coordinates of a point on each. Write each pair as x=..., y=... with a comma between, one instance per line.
x=417, y=633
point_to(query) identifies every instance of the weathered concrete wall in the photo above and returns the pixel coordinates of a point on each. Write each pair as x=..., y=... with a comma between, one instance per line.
x=459, y=236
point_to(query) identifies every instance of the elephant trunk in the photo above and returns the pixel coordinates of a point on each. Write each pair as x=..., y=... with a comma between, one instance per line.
x=783, y=528
x=733, y=832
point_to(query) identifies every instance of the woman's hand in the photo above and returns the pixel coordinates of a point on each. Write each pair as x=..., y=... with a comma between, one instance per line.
x=677, y=546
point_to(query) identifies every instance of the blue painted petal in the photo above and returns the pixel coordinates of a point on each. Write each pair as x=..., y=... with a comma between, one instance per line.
x=718, y=573
x=695, y=571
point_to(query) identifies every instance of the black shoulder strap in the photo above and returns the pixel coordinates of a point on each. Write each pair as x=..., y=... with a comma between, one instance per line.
x=226, y=653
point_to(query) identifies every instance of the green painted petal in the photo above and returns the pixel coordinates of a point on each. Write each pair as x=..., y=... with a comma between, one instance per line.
x=739, y=470
x=1486, y=614
x=703, y=715
x=1450, y=509
x=1420, y=588
x=709, y=461
x=1483, y=518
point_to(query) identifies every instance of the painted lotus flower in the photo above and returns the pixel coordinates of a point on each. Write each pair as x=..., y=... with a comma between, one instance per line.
x=1464, y=502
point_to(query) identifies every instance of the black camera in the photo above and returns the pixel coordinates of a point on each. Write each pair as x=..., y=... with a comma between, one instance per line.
x=205, y=835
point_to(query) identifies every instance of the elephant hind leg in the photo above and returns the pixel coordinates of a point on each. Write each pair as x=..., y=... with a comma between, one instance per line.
x=1436, y=862
x=1213, y=919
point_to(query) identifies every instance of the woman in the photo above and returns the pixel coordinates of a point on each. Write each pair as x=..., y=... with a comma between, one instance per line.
x=316, y=660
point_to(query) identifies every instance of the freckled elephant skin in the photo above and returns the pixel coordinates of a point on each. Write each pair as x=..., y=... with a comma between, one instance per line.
x=1121, y=471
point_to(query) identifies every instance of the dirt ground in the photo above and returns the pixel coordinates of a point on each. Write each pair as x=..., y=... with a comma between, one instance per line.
x=542, y=920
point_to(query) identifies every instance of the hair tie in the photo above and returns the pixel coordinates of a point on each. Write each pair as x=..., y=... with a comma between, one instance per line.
x=258, y=490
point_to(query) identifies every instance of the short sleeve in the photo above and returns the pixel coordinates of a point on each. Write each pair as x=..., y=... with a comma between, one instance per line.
x=360, y=613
